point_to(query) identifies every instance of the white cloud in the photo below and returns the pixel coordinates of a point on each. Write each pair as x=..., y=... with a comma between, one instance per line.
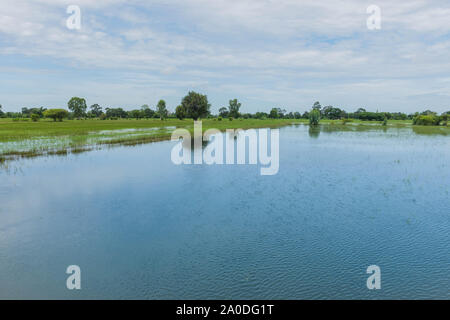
x=288, y=51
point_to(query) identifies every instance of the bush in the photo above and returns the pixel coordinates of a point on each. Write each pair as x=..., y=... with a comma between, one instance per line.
x=35, y=117
x=429, y=120
x=230, y=118
x=56, y=114
x=219, y=118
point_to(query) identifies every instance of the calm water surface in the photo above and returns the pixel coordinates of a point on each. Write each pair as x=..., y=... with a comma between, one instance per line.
x=141, y=227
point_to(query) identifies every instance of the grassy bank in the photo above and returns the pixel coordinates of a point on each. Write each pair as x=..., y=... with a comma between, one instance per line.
x=19, y=139
x=29, y=139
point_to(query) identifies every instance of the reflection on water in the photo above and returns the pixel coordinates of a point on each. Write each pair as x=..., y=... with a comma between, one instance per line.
x=141, y=227
x=314, y=131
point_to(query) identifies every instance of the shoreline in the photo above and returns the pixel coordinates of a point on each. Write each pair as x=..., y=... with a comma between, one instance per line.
x=79, y=136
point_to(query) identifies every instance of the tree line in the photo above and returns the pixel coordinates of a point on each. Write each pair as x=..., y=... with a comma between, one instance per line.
x=195, y=105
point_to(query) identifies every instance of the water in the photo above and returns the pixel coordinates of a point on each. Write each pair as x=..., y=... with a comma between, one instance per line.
x=140, y=227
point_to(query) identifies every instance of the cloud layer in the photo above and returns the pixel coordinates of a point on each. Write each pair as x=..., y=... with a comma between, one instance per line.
x=284, y=53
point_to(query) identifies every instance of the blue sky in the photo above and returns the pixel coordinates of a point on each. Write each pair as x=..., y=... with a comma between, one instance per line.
x=266, y=53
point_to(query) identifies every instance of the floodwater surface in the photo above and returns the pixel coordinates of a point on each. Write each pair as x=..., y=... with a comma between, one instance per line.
x=140, y=227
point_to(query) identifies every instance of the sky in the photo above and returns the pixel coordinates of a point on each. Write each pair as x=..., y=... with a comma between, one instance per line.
x=266, y=53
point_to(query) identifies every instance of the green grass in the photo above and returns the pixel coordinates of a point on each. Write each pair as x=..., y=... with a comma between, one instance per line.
x=21, y=139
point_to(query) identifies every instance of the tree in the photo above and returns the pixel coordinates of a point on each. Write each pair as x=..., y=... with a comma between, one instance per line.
x=180, y=112
x=329, y=112
x=196, y=105
x=223, y=112
x=314, y=117
x=277, y=113
x=317, y=106
x=162, y=110
x=360, y=110
x=1, y=112
x=96, y=110
x=234, y=107
x=426, y=120
x=35, y=117
x=56, y=114
x=147, y=112
x=273, y=113
x=116, y=113
x=137, y=114
x=77, y=106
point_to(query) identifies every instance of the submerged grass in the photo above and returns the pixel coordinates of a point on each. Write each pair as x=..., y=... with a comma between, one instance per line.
x=31, y=139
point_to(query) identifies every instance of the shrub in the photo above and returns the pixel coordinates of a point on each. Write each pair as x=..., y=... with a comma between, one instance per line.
x=35, y=117
x=56, y=114
x=219, y=118
x=428, y=120
x=230, y=118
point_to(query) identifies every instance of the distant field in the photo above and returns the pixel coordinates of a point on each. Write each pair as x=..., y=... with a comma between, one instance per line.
x=46, y=137
x=28, y=139
x=20, y=130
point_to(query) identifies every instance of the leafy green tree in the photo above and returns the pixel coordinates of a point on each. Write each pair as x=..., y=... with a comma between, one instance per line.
x=317, y=106
x=360, y=110
x=261, y=115
x=277, y=113
x=162, y=110
x=136, y=114
x=330, y=112
x=196, y=105
x=147, y=112
x=96, y=110
x=314, y=117
x=223, y=112
x=56, y=114
x=273, y=113
x=233, y=108
x=35, y=117
x=426, y=120
x=428, y=113
x=180, y=112
x=116, y=113
x=77, y=106
x=1, y=112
